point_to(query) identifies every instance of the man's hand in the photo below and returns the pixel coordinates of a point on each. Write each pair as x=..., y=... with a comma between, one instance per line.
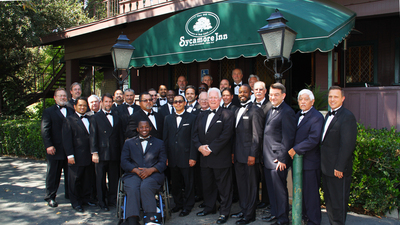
x=292, y=153
x=251, y=160
x=192, y=162
x=146, y=172
x=280, y=166
x=233, y=158
x=204, y=150
x=167, y=162
x=51, y=150
x=95, y=158
x=71, y=161
x=338, y=174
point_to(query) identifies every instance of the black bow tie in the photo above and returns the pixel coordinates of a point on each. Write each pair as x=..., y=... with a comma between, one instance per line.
x=176, y=115
x=84, y=116
x=108, y=113
x=236, y=85
x=150, y=113
x=258, y=103
x=275, y=108
x=244, y=105
x=181, y=92
x=212, y=111
x=144, y=139
x=302, y=114
x=61, y=106
x=332, y=113
x=132, y=106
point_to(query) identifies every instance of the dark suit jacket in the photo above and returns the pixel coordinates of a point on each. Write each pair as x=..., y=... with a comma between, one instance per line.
x=76, y=140
x=132, y=156
x=338, y=144
x=232, y=107
x=105, y=139
x=123, y=113
x=51, y=127
x=248, y=134
x=279, y=133
x=308, y=136
x=235, y=99
x=218, y=138
x=165, y=110
x=178, y=140
x=266, y=106
x=196, y=108
x=158, y=102
x=140, y=115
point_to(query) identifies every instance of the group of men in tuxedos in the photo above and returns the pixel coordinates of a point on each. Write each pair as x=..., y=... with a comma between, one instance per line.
x=212, y=143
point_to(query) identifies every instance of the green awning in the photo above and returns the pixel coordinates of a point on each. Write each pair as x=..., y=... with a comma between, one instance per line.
x=229, y=30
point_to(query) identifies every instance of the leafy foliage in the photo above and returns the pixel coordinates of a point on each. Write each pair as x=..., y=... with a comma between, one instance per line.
x=320, y=97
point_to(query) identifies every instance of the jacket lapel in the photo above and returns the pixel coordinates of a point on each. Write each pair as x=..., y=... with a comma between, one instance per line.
x=80, y=123
x=215, y=118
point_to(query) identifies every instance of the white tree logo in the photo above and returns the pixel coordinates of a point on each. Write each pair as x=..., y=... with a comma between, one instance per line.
x=202, y=23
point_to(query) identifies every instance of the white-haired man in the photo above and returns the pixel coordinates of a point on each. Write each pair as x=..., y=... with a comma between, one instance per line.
x=252, y=80
x=306, y=143
x=94, y=105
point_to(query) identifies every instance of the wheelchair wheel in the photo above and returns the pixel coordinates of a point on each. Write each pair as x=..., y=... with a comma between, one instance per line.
x=167, y=206
x=121, y=200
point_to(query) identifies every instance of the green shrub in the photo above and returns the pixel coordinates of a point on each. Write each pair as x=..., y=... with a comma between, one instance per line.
x=21, y=138
x=376, y=165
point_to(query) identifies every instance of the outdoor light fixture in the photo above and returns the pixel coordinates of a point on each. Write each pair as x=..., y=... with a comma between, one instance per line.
x=121, y=54
x=278, y=40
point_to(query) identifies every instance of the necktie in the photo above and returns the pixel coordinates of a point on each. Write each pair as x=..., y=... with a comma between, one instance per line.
x=332, y=113
x=212, y=111
x=108, y=114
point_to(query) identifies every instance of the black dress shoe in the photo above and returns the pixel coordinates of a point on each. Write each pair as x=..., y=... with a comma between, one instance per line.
x=204, y=213
x=176, y=209
x=222, y=219
x=269, y=218
x=261, y=205
x=52, y=203
x=245, y=221
x=105, y=208
x=78, y=208
x=202, y=205
x=237, y=215
x=90, y=204
x=184, y=212
x=279, y=223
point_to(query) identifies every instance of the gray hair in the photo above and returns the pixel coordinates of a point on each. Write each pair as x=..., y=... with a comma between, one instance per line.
x=202, y=78
x=308, y=92
x=262, y=84
x=94, y=96
x=214, y=90
x=131, y=90
x=251, y=76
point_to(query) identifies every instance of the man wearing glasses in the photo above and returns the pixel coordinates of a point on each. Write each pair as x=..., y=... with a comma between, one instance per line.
x=145, y=113
x=181, y=155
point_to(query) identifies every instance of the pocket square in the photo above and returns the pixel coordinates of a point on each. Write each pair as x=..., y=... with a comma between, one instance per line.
x=245, y=117
x=185, y=124
x=219, y=121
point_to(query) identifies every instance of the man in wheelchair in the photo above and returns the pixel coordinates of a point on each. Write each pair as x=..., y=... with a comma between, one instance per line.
x=144, y=160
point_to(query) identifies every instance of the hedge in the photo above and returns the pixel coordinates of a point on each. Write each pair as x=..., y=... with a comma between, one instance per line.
x=21, y=138
x=375, y=182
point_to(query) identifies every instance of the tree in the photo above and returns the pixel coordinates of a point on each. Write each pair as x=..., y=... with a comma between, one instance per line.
x=22, y=24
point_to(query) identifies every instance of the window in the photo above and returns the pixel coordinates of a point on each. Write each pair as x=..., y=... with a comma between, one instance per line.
x=360, y=64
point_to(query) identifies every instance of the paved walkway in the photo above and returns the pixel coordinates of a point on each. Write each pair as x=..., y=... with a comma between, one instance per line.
x=22, y=191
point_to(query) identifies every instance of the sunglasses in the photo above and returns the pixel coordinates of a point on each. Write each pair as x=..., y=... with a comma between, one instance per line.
x=178, y=101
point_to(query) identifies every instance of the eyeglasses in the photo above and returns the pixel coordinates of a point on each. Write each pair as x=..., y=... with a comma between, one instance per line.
x=146, y=100
x=178, y=101
x=153, y=95
x=274, y=95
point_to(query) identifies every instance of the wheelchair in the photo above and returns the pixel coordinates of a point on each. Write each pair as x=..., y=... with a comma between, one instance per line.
x=162, y=198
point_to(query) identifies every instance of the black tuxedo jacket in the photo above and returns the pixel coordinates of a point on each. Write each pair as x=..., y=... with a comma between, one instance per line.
x=279, y=133
x=123, y=113
x=248, y=134
x=266, y=106
x=235, y=99
x=51, y=128
x=132, y=156
x=232, y=107
x=338, y=144
x=165, y=110
x=218, y=138
x=178, y=140
x=158, y=102
x=140, y=115
x=105, y=139
x=196, y=108
x=76, y=140
x=308, y=136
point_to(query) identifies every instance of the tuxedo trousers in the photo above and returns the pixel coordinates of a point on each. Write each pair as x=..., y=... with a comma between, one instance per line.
x=53, y=177
x=336, y=195
x=107, y=170
x=217, y=181
x=80, y=184
x=247, y=187
x=182, y=178
x=311, y=198
x=278, y=193
x=140, y=191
